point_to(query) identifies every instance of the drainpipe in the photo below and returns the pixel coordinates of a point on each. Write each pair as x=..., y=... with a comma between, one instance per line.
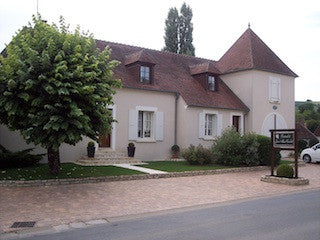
x=175, y=117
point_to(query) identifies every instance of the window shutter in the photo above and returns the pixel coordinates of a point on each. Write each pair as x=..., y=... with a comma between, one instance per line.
x=159, y=126
x=201, y=124
x=219, y=124
x=133, y=124
x=274, y=89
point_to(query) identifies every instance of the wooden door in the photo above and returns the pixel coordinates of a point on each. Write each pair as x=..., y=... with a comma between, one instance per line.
x=105, y=141
x=236, y=122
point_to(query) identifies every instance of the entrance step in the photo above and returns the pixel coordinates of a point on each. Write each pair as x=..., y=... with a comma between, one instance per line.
x=107, y=156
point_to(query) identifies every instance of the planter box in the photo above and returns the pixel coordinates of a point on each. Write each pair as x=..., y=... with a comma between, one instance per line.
x=286, y=181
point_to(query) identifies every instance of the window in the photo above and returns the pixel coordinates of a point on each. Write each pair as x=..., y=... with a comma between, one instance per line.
x=211, y=83
x=145, y=74
x=145, y=124
x=210, y=125
x=274, y=89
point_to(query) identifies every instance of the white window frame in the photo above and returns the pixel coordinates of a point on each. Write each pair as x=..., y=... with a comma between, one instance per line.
x=202, y=133
x=212, y=84
x=145, y=74
x=144, y=124
x=240, y=114
x=274, y=85
x=213, y=125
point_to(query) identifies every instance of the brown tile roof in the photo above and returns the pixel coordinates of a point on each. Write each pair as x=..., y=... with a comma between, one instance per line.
x=304, y=132
x=140, y=56
x=207, y=67
x=172, y=74
x=250, y=52
x=317, y=131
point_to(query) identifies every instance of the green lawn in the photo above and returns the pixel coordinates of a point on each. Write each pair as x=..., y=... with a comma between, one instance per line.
x=285, y=162
x=170, y=166
x=68, y=170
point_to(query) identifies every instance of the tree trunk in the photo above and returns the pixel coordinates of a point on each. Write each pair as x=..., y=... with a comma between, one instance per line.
x=53, y=161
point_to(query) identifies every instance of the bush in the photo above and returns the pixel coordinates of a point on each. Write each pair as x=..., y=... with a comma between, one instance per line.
x=22, y=158
x=302, y=144
x=313, y=142
x=285, y=170
x=232, y=149
x=90, y=144
x=175, y=148
x=264, y=151
x=197, y=155
x=131, y=145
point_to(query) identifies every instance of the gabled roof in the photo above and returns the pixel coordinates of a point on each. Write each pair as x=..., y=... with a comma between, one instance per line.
x=172, y=74
x=207, y=67
x=304, y=132
x=250, y=52
x=139, y=56
x=317, y=131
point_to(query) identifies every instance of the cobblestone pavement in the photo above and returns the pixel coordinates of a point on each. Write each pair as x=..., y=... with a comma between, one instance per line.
x=64, y=204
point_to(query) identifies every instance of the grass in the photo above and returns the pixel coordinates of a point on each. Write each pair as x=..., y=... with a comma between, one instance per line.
x=170, y=166
x=67, y=170
x=286, y=162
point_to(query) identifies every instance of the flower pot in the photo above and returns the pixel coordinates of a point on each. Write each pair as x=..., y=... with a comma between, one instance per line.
x=175, y=155
x=91, y=151
x=131, y=151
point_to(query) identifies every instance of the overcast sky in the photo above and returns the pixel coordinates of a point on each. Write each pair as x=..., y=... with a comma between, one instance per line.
x=290, y=28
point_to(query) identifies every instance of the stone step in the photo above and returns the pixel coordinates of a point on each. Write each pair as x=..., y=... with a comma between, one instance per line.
x=104, y=162
x=112, y=155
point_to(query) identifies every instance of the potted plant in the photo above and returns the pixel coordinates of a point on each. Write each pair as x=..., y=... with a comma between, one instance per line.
x=91, y=149
x=131, y=149
x=175, y=149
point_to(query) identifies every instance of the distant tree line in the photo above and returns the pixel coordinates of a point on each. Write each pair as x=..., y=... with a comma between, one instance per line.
x=310, y=112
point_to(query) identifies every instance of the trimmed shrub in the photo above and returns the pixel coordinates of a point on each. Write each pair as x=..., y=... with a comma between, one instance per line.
x=90, y=144
x=264, y=151
x=250, y=150
x=285, y=170
x=232, y=149
x=302, y=144
x=197, y=155
x=17, y=159
x=313, y=142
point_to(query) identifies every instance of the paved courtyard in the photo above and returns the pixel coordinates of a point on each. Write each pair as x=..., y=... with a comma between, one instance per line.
x=56, y=205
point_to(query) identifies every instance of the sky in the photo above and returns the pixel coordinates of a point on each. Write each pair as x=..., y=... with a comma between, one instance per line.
x=290, y=28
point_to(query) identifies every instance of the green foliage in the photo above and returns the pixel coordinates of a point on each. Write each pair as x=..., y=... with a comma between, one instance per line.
x=302, y=145
x=178, y=31
x=285, y=170
x=131, y=145
x=313, y=142
x=310, y=112
x=232, y=149
x=24, y=158
x=197, y=155
x=90, y=144
x=55, y=85
x=175, y=148
x=171, y=31
x=185, y=31
x=264, y=151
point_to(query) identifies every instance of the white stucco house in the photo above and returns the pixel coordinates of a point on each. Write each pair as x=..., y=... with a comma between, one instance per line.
x=170, y=99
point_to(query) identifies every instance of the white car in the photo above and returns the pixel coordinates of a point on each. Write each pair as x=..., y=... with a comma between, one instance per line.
x=311, y=154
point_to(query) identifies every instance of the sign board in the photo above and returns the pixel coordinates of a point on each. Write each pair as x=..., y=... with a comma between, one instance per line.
x=284, y=139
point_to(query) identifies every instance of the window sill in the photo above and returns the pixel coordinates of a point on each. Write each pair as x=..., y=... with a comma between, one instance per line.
x=207, y=138
x=146, y=140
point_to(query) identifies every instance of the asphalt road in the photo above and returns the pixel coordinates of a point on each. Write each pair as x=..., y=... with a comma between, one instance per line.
x=288, y=217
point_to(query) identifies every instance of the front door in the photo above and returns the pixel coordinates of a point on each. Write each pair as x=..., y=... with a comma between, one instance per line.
x=236, y=122
x=105, y=140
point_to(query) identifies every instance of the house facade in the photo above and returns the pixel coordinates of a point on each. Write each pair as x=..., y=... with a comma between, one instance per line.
x=170, y=99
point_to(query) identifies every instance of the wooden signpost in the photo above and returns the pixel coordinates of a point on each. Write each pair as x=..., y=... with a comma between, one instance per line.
x=284, y=139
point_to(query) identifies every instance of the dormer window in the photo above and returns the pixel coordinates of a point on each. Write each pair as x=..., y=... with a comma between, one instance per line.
x=144, y=74
x=211, y=83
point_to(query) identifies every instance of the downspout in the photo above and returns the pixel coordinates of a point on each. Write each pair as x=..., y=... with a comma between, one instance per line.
x=176, y=117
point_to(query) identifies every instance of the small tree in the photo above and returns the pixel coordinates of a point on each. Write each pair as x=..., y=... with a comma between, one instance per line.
x=55, y=85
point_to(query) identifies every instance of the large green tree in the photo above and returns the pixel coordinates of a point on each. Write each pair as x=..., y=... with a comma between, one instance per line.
x=310, y=112
x=172, y=31
x=55, y=85
x=185, y=30
x=178, y=31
